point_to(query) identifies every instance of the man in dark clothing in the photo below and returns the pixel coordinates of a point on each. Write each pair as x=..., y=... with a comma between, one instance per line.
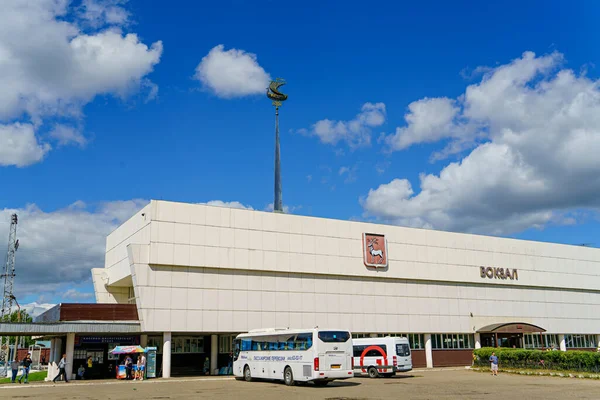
x=128, y=368
x=26, y=366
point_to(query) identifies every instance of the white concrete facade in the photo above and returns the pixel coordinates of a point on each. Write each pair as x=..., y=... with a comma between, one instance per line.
x=199, y=268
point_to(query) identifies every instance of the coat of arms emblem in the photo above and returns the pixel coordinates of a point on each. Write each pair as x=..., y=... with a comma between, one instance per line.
x=375, y=250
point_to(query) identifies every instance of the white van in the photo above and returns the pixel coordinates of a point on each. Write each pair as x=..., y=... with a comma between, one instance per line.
x=381, y=356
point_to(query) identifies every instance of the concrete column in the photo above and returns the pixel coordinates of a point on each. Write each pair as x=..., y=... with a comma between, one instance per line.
x=477, y=341
x=52, y=350
x=563, y=342
x=58, y=351
x=428, y=351
x=50, y=371
x=144, y=340
x=70, y=352
x=166, y=360
x=214, y=353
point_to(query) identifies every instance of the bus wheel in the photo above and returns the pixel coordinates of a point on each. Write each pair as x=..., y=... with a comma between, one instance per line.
x=321, y=383
x=288, y=376
x=373, y=373
x=247, y=375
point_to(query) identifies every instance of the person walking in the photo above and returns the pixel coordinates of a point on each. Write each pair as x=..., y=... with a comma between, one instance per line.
x=14, y=366
x=61, y=367
x=494, y=364
x=26, y=367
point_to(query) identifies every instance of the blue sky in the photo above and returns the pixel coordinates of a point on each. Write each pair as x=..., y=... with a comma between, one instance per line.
x=153, y=128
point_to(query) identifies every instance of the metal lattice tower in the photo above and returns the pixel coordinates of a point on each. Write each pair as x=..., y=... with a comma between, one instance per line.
x=9, y=280
x=9, y=268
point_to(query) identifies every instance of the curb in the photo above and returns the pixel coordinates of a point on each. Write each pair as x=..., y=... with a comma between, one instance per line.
x=554, y=374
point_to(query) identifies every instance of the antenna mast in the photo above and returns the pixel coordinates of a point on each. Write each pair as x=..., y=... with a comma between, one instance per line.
x=9, y=280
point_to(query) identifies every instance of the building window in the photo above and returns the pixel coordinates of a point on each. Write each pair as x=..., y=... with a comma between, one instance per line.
x=537, y=341
x=360, y=335
x=451, y=341
x=580, y=341
x=179, y=344
x=225, y=344
x=416, y=340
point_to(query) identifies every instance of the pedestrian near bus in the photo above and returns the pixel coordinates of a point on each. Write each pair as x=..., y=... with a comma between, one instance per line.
x=62, y=364
x=14, y=366
x=494, y=364
x=26, y=367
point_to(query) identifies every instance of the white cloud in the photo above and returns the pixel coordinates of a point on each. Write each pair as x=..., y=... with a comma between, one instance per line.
x=538, y=165
x=232, y=73
x=104, y=12
x=349, y=173
x=356, y=132
x=428, y=120
x=58, y=248
x=19, y=146
x=66, y=135
x=76, y=295
x=52, y=66
x=228, y=204
x=286, y=209
x=34, y=309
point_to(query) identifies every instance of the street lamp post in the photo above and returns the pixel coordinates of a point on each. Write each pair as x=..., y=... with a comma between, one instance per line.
x=278, y=98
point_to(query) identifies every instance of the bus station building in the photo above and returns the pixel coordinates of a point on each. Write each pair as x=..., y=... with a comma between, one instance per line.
x=194, y=276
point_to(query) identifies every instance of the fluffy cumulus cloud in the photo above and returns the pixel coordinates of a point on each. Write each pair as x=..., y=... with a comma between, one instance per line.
x=231, y=73
x=57, y=249
x=228, y=204
x=535, y=126
x=428, y=120
x=355, y=133
x=55, y=57
x=19, y=145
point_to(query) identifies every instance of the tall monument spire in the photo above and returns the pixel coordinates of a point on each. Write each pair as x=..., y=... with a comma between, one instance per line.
x=278, y=98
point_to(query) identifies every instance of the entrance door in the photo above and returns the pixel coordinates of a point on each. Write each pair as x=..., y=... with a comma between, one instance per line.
x=510, y=340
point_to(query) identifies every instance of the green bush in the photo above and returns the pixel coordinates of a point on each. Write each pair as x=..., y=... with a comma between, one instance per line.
x=585, y=361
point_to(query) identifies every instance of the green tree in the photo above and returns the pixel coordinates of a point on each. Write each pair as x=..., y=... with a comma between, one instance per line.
x=24, y=341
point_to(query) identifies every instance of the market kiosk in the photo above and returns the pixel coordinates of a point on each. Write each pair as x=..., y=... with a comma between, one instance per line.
x=150, y=352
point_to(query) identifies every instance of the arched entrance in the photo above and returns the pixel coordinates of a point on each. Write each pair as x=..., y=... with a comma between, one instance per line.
x=508, y=334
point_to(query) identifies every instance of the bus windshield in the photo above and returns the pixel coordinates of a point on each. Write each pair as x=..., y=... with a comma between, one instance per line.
x=334, y=336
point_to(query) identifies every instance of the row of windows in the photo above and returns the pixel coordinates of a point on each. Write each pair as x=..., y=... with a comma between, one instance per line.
x=416, y=340
x=179, y=344
x=453, y=341
x=549, y=341
x=537, y=341
x=580, y=341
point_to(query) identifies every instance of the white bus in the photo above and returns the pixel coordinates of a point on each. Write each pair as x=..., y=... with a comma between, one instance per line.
x=294, y=355
x=381, y=356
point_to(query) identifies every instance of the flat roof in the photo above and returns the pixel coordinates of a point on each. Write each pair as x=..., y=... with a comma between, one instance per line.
x=79, y=327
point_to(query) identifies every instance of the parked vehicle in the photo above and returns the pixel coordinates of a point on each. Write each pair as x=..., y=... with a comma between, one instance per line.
x=294, y=355
x=381, y=356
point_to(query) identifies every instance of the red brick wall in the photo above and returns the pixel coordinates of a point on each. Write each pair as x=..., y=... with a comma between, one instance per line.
x=418, y=359
x=21, y=353
x=452, y=358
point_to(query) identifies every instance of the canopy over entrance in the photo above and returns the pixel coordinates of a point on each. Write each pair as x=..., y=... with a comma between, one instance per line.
x=511, y=327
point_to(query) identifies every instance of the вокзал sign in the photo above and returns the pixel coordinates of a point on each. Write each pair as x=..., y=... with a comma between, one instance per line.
x=499, y=273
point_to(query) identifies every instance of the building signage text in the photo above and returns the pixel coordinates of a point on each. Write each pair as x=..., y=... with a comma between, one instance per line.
x=499, y=273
